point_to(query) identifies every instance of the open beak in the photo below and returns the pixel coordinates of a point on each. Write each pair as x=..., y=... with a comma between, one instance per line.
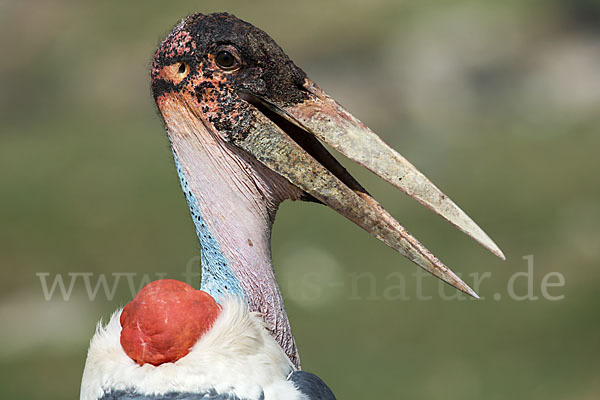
x=286, y=140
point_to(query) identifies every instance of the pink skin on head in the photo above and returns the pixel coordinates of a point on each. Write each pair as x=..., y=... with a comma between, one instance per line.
x=164, y=321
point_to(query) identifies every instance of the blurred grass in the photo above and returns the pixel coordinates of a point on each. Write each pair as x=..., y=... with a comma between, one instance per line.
x=497, y=102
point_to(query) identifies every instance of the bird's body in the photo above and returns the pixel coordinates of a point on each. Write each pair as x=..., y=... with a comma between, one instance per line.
x=235, y=358
x=247, y=128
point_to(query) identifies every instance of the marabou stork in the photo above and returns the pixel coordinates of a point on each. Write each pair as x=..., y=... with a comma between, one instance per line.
x=246, y=128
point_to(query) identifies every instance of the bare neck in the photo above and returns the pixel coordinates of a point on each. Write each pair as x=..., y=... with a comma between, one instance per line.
x=233, y=200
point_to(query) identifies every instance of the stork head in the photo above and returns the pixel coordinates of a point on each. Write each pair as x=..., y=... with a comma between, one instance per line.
x=220, y=81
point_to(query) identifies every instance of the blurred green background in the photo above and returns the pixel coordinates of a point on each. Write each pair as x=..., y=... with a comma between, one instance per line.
x=497, y=102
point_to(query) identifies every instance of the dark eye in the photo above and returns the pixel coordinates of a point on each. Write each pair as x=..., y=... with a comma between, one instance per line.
x=182, y=68
x=226, y=60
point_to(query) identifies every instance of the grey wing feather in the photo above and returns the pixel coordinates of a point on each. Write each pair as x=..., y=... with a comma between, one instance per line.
x=132, y=395
x=311, y=386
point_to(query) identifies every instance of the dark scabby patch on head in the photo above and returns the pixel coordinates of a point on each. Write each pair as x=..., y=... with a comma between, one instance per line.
x=160, y=87
x=205, y=85
x=224, y=110
x=177, y=46
x=266, y=70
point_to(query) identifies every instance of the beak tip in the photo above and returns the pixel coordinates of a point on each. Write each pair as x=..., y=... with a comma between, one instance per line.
x=491, y=246
x=463, y=287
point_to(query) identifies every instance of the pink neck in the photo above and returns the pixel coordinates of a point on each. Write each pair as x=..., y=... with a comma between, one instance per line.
x=236, y=199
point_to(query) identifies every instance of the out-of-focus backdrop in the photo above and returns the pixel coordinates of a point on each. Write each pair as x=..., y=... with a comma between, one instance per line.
x=497, y=102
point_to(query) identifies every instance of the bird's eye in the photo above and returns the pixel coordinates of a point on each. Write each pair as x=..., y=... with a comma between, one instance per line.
x=182, y=68
x=225, y=60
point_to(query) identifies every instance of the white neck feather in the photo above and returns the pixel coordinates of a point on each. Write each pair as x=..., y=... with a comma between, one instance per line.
x=236, y=356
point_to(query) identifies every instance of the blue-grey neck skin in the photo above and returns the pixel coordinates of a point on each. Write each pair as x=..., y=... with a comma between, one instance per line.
x=218, y=279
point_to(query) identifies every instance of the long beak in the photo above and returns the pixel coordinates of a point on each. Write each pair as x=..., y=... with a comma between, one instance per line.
x=327, y=120
x=284, y=140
